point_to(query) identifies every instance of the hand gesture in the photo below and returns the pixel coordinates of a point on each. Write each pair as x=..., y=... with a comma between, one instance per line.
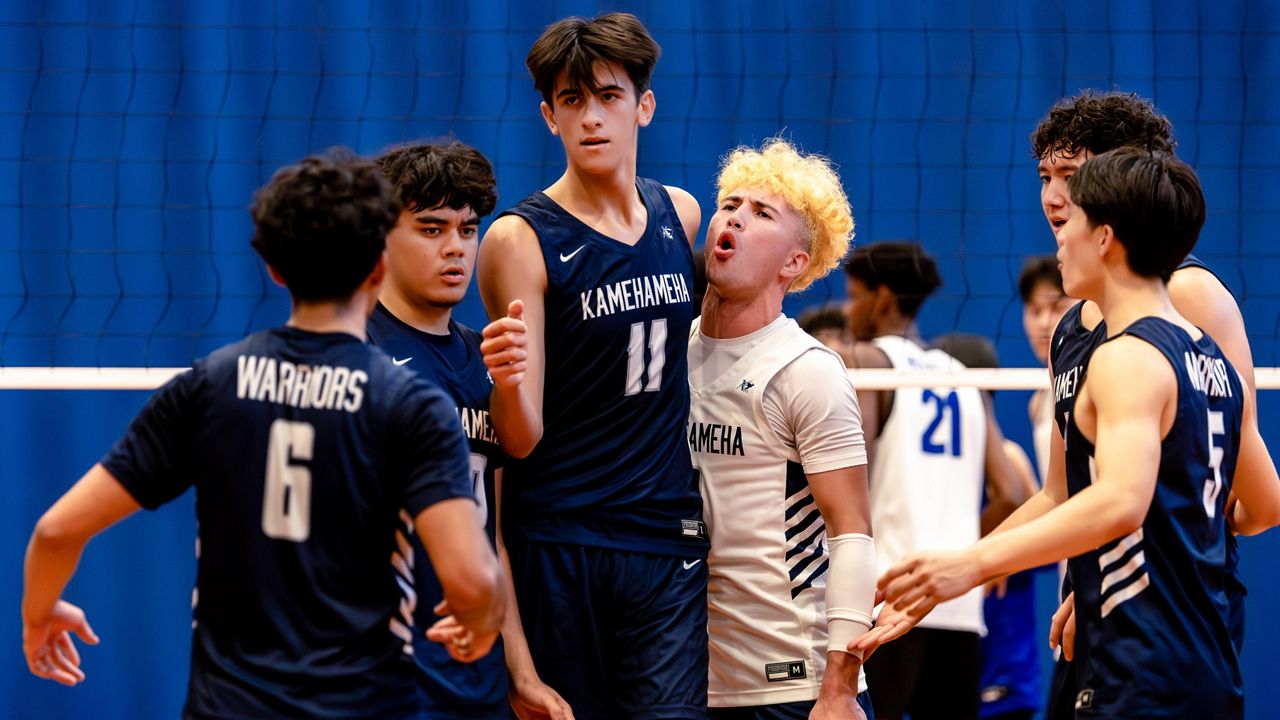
x=1062, y=631
x=892, y=623
x=463, y=644
x=48, y=646
x=505, y=347
x=532, y=699
x=919, y=582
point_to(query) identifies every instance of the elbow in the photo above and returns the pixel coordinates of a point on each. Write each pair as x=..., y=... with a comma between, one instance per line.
x=1126, y=518
x=481, y=595
x=54, y=534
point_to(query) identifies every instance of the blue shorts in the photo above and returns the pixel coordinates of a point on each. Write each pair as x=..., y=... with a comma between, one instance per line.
x=618, y=634
x=781, y=711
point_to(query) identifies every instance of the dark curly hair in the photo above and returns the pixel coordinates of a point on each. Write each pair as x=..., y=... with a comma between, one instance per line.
x=1038, y=269
x=447, y=174
x=323, y=223
x=1099, y=122
x=1152, y=201
x=904, y=266
x=576, y=44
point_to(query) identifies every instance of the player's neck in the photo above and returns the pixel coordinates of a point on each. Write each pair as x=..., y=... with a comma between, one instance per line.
x=595, y=197
x=423, y=317
x=901, y=326
x=1127, y=297
x=727, y=318
x=331, y=316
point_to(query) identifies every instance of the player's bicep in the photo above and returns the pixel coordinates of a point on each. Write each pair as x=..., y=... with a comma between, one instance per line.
x=1130, y=385
x=1202, y=299
x=690, y=213
x=511, y=267
x=96, y=502
x=841, y=496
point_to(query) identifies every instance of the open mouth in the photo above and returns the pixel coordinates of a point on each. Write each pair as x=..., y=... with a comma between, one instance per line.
x=454, y=274
x=724, y=246
x=593, y=142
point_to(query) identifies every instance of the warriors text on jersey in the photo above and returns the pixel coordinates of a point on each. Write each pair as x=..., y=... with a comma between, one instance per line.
x=1152, y=606
x=612, y=468
x=303, y=448
x=768, y=409
x=927, y=477
x=454, y=363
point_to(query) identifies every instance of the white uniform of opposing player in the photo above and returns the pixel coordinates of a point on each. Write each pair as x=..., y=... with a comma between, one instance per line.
x=767, y=409
x=927, y=479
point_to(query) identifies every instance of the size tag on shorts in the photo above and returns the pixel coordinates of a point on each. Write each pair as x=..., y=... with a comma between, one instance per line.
x=783, y=671
x=694, y=529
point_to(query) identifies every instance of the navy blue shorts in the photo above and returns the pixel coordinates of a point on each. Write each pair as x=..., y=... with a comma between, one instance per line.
x=782, y=711
x=618, y=634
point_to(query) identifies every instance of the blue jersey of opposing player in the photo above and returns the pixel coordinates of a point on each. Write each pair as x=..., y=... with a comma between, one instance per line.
x=479, y=689
x=612, y=468
x=298, y=611
x=1153, y=603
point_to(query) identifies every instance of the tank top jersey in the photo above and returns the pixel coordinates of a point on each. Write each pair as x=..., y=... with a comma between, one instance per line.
x=446, y=682
x=766, y=597
x=927, y=474
x=612, y=468
x=1069, y=353
x=304, y=448
x=1152, y=605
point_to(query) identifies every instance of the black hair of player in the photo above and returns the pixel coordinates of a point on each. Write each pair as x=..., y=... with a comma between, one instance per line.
x=577, y=45
x=973, y=351
x=448, y=174
x=1152, y=201
x=910, y=273
x=323, y=223
x=1037, y=270
x=826, y=317
x=1101, y=121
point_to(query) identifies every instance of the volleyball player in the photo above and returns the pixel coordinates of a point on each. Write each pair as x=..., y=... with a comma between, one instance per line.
x=776, y=436
x=1151, y=449
x=1043, y=305
x=933, y=451
x=446, y=188
x=304, y=444
x=590, y=282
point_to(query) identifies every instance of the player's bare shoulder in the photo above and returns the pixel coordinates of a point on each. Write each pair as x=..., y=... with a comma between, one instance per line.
x=510, y=262
x=688, y=210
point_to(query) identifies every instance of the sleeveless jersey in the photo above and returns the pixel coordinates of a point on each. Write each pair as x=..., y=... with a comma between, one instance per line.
x=1153, y=603
x=768, y=564
x=303, y=447
x=612, y=468
x=1069, y=352
x=927, y=474
x=449, y=684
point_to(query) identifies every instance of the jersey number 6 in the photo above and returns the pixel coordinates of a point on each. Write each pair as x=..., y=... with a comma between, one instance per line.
x=286, y=499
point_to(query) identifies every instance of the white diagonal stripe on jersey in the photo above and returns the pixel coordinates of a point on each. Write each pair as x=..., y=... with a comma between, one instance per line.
x=401, y=567
x=1138, y=586
x=402, y=631
x=1122, y=573
x=803, y=493
x=1120, y=549
x=406, y=550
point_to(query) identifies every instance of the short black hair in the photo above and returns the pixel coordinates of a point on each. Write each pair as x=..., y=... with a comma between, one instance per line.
x=909, y=272
x=828, y=316
x=577, y=44
x=323, y=223
x=448, y=174
x=1152, y=200
x=1102, y=121
x=1038, y=269
x=973, y=351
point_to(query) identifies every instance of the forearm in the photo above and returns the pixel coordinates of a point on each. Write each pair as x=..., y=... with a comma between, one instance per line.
x=48, y=567
x=1094, y=516
x=841, y=677
x=516, y=420
x=516, y=647
x=996, y=513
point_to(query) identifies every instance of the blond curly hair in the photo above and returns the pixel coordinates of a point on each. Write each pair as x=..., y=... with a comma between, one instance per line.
x=811, y=187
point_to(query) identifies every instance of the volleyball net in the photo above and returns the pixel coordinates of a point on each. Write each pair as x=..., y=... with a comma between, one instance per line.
x=134, y=134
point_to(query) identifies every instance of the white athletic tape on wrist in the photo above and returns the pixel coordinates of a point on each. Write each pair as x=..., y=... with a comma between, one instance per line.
x=851, y=589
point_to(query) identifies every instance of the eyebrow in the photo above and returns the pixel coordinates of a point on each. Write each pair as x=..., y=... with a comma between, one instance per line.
x=600, y=90
x=427, y=219
x=737, y=200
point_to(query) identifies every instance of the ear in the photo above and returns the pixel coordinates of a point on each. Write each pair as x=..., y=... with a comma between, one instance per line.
x=1107, y=241
x=549, y=117
x=276, y=277
x=885, y=302
x=648, y=103
x=378, y=273
x=796, y=264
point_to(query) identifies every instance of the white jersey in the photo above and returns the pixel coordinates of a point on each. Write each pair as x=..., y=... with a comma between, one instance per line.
x=927, y=474
x=766, y=409
x=1040, y=410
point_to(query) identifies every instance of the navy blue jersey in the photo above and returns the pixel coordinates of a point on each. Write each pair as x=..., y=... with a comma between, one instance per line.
x=612, y=468
x=449, y=684
x=303, y=448
x=1153, y=604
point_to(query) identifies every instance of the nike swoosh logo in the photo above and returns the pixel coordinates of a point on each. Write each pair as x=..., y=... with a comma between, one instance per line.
x=398, y=361
x=688, y=564
x=567, y=258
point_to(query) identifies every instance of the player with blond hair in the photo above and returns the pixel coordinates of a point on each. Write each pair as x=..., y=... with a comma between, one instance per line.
x=775, y=431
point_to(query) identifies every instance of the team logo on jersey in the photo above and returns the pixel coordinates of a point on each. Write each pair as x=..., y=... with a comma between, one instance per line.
x=783, y=671
x=668, y=233
x=745, y=385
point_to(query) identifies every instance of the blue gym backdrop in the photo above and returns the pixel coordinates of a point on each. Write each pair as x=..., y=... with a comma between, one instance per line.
x=133, y=133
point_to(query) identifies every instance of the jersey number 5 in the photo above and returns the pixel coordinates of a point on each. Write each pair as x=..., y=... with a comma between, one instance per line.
x=944, y=405
x=657, y=356
x=1213, y=485
x=286, y=499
